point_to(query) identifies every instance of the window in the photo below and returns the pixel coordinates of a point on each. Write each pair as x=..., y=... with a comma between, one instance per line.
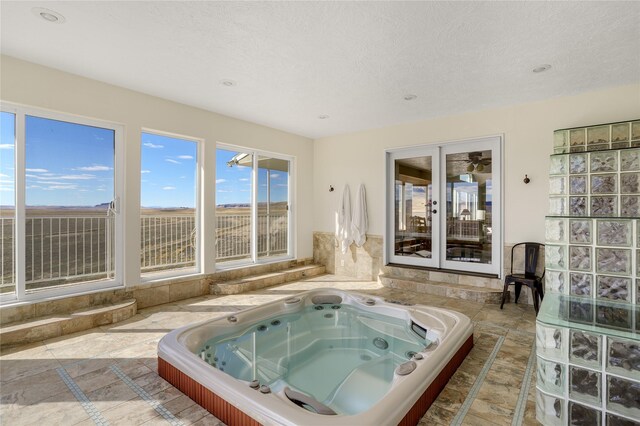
x=253, y=217
x=7, y=202
x=168, y=195
x=60, y=228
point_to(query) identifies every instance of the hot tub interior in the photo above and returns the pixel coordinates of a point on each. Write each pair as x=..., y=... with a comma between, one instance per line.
x=341, y=357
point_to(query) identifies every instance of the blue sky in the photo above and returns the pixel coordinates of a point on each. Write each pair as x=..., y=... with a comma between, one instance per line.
x=73, y=165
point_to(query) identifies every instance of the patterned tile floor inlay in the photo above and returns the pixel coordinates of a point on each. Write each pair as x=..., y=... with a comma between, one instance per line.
x=108, y=375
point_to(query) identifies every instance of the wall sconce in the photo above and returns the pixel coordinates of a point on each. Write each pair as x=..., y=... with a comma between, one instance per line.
x=526, y=179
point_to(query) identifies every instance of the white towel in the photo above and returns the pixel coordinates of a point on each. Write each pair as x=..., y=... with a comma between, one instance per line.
x=359, y=221
x=343, y=233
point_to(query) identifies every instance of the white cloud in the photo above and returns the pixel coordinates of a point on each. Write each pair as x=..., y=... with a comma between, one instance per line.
x=243, y=180
x=150, y=145
x=3, y=175
x=221, y=180
x=275, y=175
x=282, y=184
x=83, y=176
x=223, y=190
x=145, y=171
x=168, y=188
x=6, y=189
x=185, y=157
x=37, y=170
x=94, y=168
x=6, y=146
x=55, y=187
x=49, y=182
x=169, y=160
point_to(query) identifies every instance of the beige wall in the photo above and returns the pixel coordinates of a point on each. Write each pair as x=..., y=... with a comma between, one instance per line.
x=37, y=86
x=528, y=141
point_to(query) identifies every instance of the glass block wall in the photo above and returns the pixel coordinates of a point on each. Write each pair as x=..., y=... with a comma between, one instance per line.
x=588, y=362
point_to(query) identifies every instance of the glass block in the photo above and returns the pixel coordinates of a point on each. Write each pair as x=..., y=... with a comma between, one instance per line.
x=558, y=165
x=581, y=284
x=561, y=138
x=604, y=206
x=597, y=135
x=629, y=183
x=613, y=420
x=617, y=145
x=613, y=317
x=638, y=262
x=577, y=185
x=610, y=260
x=581, y=415
x=580, y=311
x=580, y=258
x=622, y=396
x=603, y=184
x=555, y=231
x=557, y=185
x=614, y=288
x=629, y=160
x=635, y=130
x=638, y=298
x=585, y=348
x=550, y=376
x=623, y=357
x=554, y=281
x=580, y=231
x=578, y=206
x=557, y=206
x=630, y=206
x=614, y=233
x=584, y=385
x=549, y=342
x=577, y=137
x=604, y=161
x=549, y=409
x=577, y=163
x=620, y=132
x=555, y=257
x=600, y=147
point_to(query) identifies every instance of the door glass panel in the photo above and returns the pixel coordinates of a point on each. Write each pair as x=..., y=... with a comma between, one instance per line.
x=233, y=205
x=413, y=206
x=273, y=199
x=69, y=189
x=7, y=202
x=168, y=204
x=469, y=194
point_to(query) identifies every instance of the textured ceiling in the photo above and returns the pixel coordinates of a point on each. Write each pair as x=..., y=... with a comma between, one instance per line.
x=353, y=61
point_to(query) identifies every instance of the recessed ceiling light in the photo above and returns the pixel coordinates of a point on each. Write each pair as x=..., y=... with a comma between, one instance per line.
x=48, y=15
x=542, y=68
x=323, y=116
x=228, y=83
x=409, y=97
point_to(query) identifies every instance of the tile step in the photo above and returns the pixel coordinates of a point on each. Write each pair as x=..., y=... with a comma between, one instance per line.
x=458, y=291
x=46, y=327
x=259, y=281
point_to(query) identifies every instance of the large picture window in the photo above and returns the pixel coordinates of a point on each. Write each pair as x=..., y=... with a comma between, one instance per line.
x=59, y=204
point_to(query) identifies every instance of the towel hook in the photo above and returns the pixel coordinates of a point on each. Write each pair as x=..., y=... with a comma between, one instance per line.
x=331, y=189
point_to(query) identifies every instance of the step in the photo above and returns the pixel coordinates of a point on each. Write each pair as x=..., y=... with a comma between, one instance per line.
x=46, y=327
x=458, y=291
x=256, y=282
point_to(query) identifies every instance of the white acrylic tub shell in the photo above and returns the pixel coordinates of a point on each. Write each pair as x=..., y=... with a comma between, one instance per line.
x=450, y=328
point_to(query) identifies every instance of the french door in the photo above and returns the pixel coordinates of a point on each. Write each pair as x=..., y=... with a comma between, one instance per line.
x=444, y=206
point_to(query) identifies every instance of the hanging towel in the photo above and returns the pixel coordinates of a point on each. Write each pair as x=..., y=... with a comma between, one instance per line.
x=344, y=221
x=359, y=221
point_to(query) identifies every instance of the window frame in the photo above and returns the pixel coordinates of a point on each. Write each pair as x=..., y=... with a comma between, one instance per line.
x=20, y=294
x=291, y=212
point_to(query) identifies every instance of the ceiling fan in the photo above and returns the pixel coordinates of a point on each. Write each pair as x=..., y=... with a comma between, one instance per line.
x=476, y=163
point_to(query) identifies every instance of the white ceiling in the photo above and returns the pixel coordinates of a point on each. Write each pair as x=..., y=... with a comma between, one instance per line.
x=353, y=61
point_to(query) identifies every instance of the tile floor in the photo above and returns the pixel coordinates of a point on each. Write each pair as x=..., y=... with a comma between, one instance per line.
x=485, y=390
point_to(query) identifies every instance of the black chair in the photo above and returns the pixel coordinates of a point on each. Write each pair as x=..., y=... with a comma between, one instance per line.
x=531, y=278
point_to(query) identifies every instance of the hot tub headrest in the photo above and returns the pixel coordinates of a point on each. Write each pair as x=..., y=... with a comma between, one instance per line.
x=326, y=299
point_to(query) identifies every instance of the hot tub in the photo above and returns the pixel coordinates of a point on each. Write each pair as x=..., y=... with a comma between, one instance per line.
x=322, y=357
